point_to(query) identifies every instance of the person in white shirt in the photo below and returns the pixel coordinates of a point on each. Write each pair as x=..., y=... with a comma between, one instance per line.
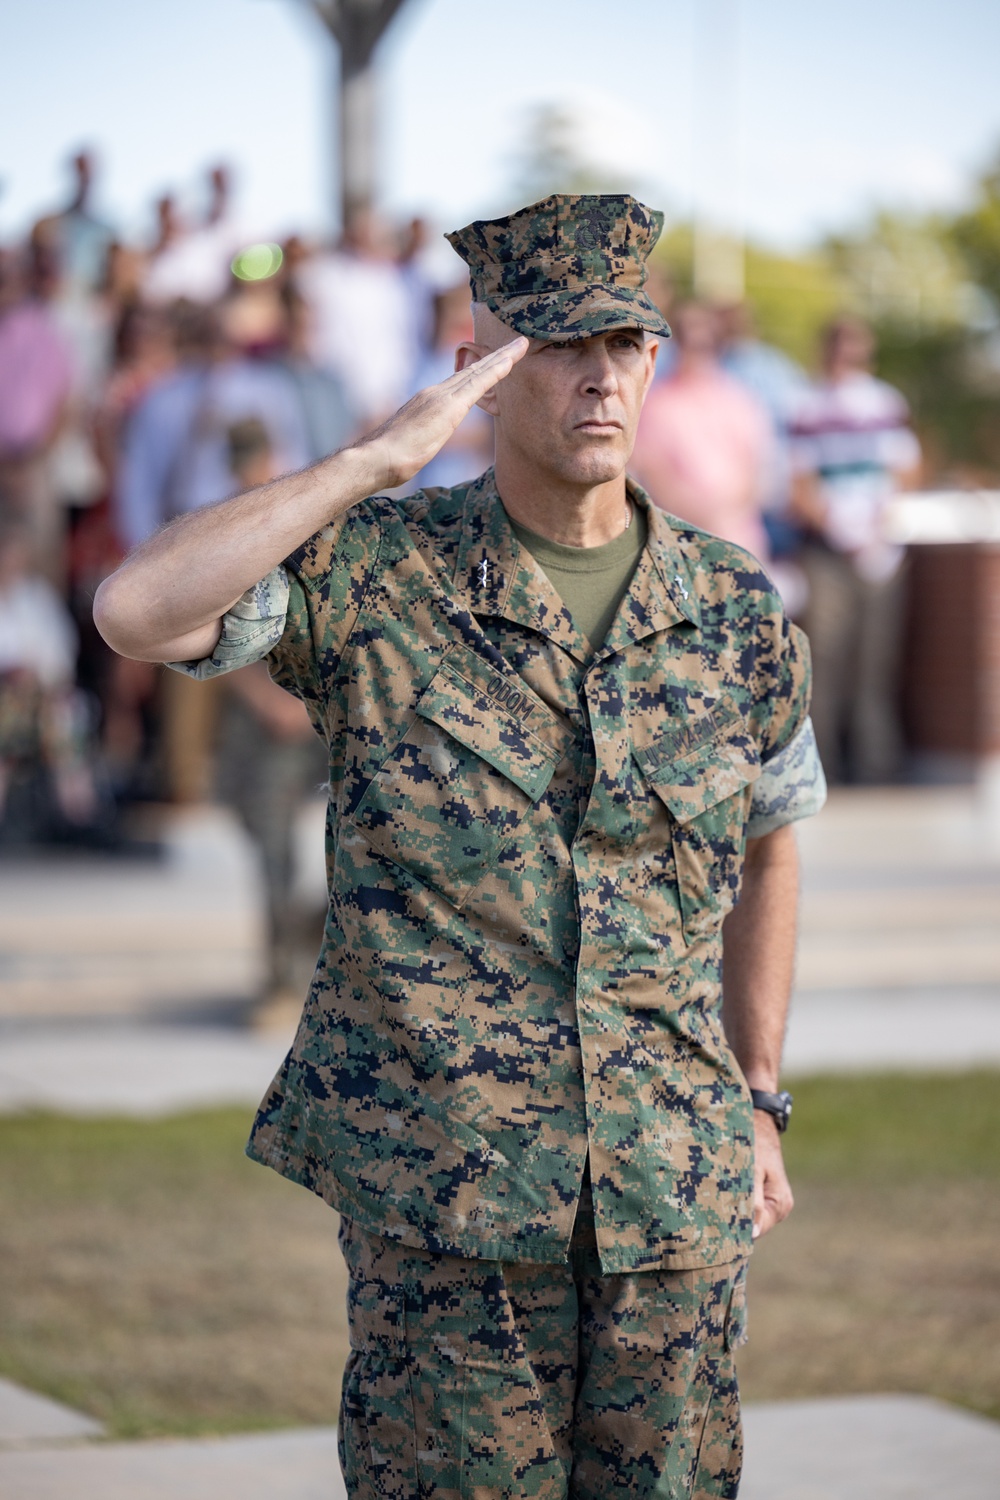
x=361, y=317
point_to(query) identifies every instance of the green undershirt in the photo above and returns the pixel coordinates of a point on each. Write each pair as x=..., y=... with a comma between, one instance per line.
x=590, y=581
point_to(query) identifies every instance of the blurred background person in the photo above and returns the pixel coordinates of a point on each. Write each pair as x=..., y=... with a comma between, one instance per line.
x=47, y=784
x=175, y=454
x=144, y=356
x=415, y=260
x=176, y=458
x=191, y=260
x=777, y=383
x=79, y=237
x=470, y=448
x=269, y=761
x=328, y=413
x=36, y=380
x=852, y=450
x=73, y=253
x=703, y=445
x=660, y=287
x=361, y=317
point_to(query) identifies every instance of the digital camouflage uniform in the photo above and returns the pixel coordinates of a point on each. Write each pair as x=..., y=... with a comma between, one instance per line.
x=531, y=847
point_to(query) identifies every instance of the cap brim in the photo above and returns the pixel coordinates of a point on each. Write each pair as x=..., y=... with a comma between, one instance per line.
x=579, y=313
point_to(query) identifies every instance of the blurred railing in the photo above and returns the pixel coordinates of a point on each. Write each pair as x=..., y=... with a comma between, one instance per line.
x=951, y=669
x=945, y=517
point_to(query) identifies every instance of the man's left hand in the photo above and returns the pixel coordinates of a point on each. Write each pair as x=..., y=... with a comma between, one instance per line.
x=772, y=1192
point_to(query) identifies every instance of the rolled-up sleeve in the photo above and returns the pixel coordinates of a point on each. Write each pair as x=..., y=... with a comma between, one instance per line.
x=251, y=629
x=791, y=785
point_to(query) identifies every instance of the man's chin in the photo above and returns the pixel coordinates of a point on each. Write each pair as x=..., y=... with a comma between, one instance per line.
x=595, y=462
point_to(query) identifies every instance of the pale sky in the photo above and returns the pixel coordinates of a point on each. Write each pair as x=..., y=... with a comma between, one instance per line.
x=825, y=109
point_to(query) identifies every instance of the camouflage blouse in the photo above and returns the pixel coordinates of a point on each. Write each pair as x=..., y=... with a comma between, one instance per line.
x=530, y=848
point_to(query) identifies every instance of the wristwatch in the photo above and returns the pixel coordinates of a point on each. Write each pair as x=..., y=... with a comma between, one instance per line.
x=778, y=1105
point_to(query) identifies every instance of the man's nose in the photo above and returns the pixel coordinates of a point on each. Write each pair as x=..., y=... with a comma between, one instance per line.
x=600, y=378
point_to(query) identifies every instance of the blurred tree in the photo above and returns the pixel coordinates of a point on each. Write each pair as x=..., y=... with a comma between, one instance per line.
x=977, y=233
x=951, y=377
x=791, y=296
x=930, y=287
x=554, y=158
x=906, y=270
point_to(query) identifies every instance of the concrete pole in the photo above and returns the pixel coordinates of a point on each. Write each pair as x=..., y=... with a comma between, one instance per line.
x=357, y=26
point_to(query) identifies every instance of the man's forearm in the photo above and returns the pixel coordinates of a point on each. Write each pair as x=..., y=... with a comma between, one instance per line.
x=166, y=600
x=759, y=957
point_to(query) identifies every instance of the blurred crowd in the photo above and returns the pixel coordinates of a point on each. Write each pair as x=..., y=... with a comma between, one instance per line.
x=142, y=380
x=139, y=381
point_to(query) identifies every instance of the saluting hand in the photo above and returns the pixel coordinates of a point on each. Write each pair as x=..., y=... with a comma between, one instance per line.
x=408, y=440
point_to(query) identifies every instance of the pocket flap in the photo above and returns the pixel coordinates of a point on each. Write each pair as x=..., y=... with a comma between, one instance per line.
x=496, y=716
x=696, y=765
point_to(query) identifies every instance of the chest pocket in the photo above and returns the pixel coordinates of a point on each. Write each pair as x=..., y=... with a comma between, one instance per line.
x=480, y=751
x=707, y=790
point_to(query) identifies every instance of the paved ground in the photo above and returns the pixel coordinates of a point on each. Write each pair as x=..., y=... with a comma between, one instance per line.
x=869, y=1448
x=122, y=984
x=853, y=1448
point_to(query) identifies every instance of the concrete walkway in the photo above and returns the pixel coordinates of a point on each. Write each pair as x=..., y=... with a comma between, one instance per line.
x=111, y=971
x=854, y=1448
x=869, y=1448
x=128, y=1068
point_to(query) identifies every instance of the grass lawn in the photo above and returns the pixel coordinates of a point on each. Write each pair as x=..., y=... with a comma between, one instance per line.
x=155, y=1278
x=886, y=1277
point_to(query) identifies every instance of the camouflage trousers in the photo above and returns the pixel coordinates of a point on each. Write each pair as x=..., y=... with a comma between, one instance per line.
x=489, y=1380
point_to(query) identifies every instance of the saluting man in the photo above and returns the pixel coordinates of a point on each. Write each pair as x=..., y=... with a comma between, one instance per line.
x=568, y=735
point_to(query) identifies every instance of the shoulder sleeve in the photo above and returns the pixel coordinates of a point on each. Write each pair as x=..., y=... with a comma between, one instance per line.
x=249, y=630
x=791, y=785
x=301, y=615
x=329, y=579
x=774, y=655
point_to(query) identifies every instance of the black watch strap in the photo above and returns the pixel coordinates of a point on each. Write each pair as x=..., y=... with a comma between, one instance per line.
x=778, y=1105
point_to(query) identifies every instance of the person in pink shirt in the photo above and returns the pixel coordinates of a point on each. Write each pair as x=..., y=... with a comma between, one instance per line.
x=36, y=377
x=35, y=367
x=703, y=444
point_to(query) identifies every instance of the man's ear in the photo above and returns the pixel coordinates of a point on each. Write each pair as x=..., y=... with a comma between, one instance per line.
x=652, y=346
x=470, y=354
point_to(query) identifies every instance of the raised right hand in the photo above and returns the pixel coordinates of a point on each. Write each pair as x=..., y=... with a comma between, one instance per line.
x=408, y=440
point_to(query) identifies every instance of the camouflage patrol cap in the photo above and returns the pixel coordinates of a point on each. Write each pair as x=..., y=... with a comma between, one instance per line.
x=568, y=267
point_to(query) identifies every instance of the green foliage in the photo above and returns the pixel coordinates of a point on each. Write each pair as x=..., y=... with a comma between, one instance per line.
x=930, y=286
x=944, y=374
x=976, y=233
x=904, y=271
x=792, y=296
